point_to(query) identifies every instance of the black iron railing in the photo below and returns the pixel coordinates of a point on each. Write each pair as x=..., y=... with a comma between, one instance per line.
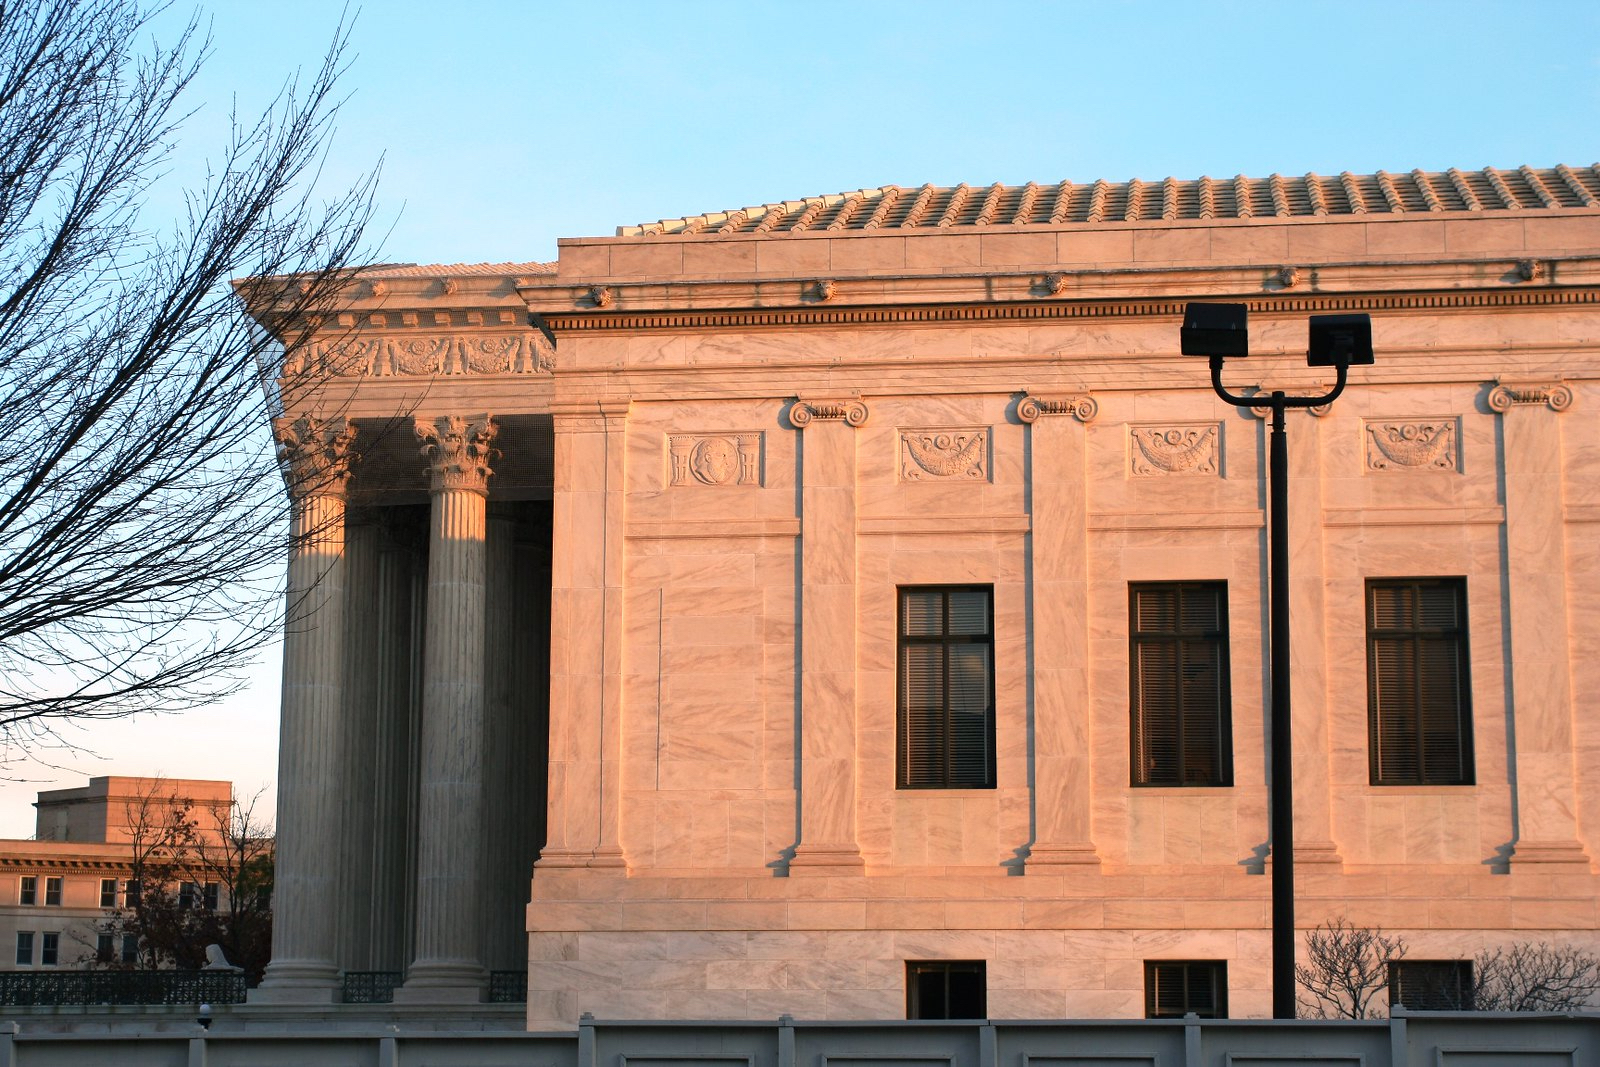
x=45, y=988
x=371, y=987
x=508, y=987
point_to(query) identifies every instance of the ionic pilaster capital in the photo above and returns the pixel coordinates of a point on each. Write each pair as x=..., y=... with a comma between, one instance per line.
x=1082, y=406
x=458, y=448
x=1505, y=395
x=852, y=412
x=315, y=454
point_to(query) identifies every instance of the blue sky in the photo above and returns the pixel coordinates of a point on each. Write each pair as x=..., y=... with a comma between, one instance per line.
x=503, y=126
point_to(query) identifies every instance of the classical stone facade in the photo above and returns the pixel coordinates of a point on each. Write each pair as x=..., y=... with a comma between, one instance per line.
x=645, y=628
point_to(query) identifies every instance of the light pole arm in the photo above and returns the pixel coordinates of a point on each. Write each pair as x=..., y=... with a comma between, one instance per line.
x=1277, y=400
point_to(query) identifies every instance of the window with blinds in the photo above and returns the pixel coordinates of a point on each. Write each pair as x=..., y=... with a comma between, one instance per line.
x=1181, y=732
x=1174, y=988
x=1419, y=707
x=946, y=989
x=946, y=714
x=1431, y=985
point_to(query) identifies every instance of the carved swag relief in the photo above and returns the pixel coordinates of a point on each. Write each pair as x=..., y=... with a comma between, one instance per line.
x=1180, y=449
x=1421, y=444
x=944, y=453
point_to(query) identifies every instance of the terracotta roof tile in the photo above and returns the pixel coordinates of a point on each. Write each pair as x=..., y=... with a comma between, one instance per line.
x=459, y=270
x=893, y=207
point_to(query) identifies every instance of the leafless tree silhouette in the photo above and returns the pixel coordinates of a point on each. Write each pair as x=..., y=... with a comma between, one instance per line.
x=1346, y=973
x=142, y=512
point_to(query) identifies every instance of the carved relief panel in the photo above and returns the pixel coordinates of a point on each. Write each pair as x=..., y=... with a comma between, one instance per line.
x=1410, y=444
x=1174, y=448
x=944, y=454
x=714, y=459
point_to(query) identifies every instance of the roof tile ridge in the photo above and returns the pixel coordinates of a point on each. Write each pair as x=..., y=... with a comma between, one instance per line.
x=1208, y=203
x=1063, y=202
x=1314, y=193
x=1280, y=196
x=1585, y=197
x=734, y=220
x=1391, y=195
x=1170, y=194
x=1425, y=186
x=991, y=205
x=1097, y=201
x=848, y=210
x=1131, y=205
x=692, y=225
x=888, y=196
x=1241, y=197
x=1026, y=202
x=1508, y=199
x=1463, y=189
x=1546, y=198
x=1352, y=192
x=919, y=206
x=774, y=214
x=952, y=210
x=814, y=206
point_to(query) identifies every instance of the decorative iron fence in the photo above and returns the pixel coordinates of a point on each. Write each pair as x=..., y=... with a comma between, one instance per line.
x=46, y=988
x=370, y=987
x=508, y=987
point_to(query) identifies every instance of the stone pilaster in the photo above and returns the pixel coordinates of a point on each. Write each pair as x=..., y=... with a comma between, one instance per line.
x=317, y=455
x=1540, y=658
x=586, y=636
x=1062, y=830
x=828, y=684
x=448, y=965
x=395, y=627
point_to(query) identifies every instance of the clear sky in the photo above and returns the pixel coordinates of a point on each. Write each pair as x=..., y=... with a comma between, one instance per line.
x=503, y=126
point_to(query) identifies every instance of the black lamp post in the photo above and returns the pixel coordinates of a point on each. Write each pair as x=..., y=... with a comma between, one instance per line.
x=1220, y=331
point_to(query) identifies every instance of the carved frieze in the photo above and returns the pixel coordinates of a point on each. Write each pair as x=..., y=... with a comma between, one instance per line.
x=528, y=352
x=714, y=459
x=1082, y=407
x=940, y=454
x=315, y=454
x=1506, y=395
x=1183, y=448
x=458, y=449
x=850, y=412
x=1415, y=444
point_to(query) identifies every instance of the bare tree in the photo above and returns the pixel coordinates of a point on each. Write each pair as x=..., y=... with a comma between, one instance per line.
x=142, y=517
x=1534, y=977
x=1346, y=973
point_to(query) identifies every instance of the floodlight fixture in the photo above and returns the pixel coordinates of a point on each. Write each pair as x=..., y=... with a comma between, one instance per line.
x=1340, y=340
x=1220, y=331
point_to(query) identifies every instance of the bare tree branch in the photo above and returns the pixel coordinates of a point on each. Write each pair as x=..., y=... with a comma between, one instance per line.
x=1346, y=973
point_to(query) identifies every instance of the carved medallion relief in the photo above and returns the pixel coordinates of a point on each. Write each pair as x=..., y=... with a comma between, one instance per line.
x=940, y=454
x=714, y=459
x=1181, y=448
x=1413, y=444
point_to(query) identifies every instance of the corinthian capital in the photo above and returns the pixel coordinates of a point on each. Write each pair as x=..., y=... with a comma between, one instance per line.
x=458, y=450
x=315, y=454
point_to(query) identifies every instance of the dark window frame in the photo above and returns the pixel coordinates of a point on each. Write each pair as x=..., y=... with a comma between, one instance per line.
x=1185, y=996
x=28, y=890
x=1440, y=985
x=53, y=889
x=50, y=949
x=948, y=775
x=1183, y=642
x=24, y=955
x=930, y=993
x=1401, y=750
x=108, y=892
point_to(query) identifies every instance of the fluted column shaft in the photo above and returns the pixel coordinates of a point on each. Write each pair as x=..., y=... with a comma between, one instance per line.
x=310, y=746
x=448, y=965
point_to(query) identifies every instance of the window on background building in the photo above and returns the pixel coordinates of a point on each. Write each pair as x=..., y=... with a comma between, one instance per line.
x=209, y=896
x=946, y=720
x=50, y=948
x=130, y=948
x=1419, y=706
x=946, y=989
x=24, y=948
x=103, y=948
x=1431, y=985
x=188, y=896
x=1178, y=660
x=28, y=890
x=52, y=892
x=130, y=893
x=1174, y=988
x=108, y=892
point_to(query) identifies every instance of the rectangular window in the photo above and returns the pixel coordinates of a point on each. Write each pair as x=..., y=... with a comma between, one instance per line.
x=102, y=948
x=50, y=948
x=1419, y=707
x=1431, y=985
x=28, y=890
x=946, y=728
x=24, y=948
x=188, y=896
x=52, y=892
x=108, y=892
x=946, y=989
x=209, y=896
x=130, y=948
x=1181, y=729
x=1174, y=988
x=130, y=893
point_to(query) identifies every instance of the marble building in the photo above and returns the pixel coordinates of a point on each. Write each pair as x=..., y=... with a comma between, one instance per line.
x=793, y=601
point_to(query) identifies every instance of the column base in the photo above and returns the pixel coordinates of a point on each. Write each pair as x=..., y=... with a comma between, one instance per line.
x=1078, y=855
x=457, y=982
x=1323, y=854
x=298, y=982
x=1553, y=857
x=826, y=859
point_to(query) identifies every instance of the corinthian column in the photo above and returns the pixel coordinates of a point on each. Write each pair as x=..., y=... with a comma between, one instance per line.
x=316, y=456
x=449, y=955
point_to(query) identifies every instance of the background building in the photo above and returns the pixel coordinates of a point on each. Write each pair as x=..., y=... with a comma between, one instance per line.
x=866, y=602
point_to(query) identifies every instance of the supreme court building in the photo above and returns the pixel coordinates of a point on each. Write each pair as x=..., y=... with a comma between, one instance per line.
x=810, y=607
